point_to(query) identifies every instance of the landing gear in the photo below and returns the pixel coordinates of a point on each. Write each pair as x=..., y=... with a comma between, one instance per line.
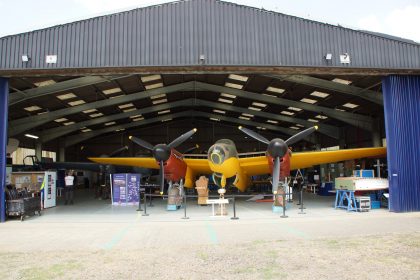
x=175, y=194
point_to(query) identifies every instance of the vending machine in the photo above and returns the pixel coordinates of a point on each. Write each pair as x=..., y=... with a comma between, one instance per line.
x=50, y=189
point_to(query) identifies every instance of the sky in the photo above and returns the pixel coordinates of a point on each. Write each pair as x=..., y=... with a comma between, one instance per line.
x=400, y=18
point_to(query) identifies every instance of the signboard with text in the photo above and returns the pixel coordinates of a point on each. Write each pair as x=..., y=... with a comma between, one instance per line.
x=125, y=189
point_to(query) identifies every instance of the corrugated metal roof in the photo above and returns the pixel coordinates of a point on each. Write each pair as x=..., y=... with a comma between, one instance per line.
x=176, y=34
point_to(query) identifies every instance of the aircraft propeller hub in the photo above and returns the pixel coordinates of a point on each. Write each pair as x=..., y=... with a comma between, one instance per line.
x=161, y=152
x=277, y=148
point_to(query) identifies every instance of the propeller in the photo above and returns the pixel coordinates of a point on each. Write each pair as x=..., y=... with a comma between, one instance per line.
x=277, y=148
x=120, y=150
x=162, y=152
x=187, y=151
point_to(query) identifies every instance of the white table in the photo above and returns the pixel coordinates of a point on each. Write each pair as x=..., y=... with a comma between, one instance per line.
x=312, y=187
x=216, y=201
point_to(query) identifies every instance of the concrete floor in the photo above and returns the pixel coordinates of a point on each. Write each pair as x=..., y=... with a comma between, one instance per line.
x=96, y=224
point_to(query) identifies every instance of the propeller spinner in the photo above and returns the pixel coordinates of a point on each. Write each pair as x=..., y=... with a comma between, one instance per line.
x=162, y=152
x=277, y=148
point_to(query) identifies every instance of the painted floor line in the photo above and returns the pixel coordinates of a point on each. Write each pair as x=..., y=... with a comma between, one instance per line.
x=212, y=234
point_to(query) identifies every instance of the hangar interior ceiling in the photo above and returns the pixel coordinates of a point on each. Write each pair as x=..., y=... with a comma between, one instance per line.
x=83, y=110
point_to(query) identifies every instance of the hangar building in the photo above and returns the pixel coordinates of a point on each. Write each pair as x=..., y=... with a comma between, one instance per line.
x=160, y=70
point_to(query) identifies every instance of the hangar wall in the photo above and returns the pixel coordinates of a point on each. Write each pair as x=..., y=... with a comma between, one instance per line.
x=4, y=106
x=402, y=115
x=177, y=34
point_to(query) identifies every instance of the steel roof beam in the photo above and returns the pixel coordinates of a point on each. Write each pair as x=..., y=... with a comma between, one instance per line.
x=21, y=125
x=287, y=131
x=53, y=133
x=20, y=96
x=357, y=120
x=366, y=94
x=326, y=129
x=72, y=140
x=56, y=132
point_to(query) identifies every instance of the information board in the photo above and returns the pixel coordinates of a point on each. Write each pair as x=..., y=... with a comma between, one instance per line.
x=125, y=188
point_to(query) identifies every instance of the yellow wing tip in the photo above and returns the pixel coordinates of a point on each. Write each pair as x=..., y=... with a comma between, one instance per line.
x=129, y=137
x=240, y=127
x=161, y=193
x=316, y=127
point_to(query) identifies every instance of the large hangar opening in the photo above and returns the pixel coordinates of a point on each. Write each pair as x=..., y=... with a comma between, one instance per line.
x=90, y=94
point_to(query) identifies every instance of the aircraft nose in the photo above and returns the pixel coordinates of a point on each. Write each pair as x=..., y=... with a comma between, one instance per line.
x=216, y=155
x=215, y=158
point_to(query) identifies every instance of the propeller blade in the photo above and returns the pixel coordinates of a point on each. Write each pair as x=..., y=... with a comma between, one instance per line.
x=178, y=141
x=254, y=135
x=301, y=135
x=276, y=174
x=162, y=177
x=142, y=143
x=191, y=149
x=116, y=152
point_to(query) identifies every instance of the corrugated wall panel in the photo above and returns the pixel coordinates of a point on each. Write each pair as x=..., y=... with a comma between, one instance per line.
x=175, y=34
x=402, y=123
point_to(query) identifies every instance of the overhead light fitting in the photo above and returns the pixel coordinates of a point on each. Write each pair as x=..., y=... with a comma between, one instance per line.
x=350, y=105
x=308, y=100
x=287, y=113
x=111, y=90
x=31, y=136
x=238, y=77
x=76, y=103
x=233, y=85
x=164, y=112
x=159, y=101
x=228, y=95
x=319, y=94
x=295, y=109
x=149, y=78
x=276, y=90
x=342, y=81
x=152, y=86
x=259, y=104
x=225, y=100
x=32, y=108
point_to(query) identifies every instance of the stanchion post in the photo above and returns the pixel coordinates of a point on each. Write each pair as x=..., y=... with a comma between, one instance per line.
x=185, y=208
x=290, y=194
x=301, y=202
x=150, y=200
x=145, y=206
x=139, y=209
x=234, y=209
x=284, y=206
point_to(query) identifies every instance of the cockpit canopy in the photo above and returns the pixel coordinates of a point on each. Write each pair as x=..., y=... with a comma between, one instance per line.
x=223, y=149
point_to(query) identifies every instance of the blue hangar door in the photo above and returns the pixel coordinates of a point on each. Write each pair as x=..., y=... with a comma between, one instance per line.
x=402, y=123
x=4, y=105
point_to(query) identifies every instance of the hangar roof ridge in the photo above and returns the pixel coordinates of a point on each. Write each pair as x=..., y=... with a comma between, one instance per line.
x=262, y=10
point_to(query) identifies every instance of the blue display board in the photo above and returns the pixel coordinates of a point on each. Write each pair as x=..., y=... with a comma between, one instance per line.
x=125, y=189
x=366, y=173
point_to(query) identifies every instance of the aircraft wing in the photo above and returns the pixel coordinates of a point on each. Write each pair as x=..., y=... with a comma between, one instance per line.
x=259, y=165
x=198, y=165
x=146, y=162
